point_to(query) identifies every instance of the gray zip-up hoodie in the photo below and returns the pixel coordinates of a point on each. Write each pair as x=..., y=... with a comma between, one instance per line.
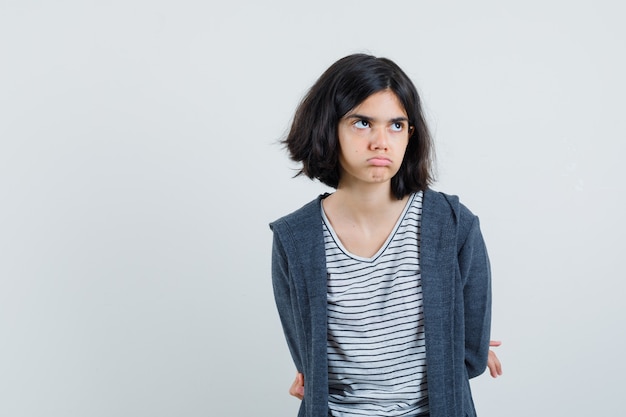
x=456, y=285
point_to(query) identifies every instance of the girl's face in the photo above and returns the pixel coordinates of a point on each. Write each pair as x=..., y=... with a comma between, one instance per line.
x=373, y=137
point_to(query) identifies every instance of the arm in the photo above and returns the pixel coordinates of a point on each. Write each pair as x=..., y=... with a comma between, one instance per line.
x=285, y=298
x=476, y=275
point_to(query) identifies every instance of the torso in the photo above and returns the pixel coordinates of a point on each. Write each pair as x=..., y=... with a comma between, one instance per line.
x=376, y=345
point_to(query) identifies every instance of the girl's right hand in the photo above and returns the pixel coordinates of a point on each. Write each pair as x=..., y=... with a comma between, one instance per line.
x=297, y=388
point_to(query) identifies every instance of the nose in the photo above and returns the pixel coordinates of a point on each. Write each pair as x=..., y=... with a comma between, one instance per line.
x=379, y=139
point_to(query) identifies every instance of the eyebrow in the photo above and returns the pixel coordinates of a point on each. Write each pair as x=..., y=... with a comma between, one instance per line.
x=370, y=119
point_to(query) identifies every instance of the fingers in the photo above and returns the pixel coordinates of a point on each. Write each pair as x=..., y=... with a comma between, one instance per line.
x=297, y=388
x=494, y=365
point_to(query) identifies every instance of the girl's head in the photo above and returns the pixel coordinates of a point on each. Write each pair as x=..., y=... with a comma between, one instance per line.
x=313, y=139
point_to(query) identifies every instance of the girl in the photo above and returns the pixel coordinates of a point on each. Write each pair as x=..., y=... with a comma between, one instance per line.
x=382, y=287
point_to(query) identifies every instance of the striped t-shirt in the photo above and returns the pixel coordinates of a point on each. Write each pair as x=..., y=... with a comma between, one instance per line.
x=376, y=353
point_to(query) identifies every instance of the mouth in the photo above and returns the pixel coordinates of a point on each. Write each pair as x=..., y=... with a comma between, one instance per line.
x=379, y=161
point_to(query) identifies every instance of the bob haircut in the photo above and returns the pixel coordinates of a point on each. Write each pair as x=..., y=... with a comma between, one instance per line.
x=313, y=140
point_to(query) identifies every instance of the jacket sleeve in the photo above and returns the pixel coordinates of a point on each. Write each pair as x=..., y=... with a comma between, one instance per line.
x=285, y=298
x=476, y=275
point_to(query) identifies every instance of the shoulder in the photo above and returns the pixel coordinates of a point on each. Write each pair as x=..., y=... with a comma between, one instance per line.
x=445, y=212
x=300, y=234
x=446, y=204
x=303, y=217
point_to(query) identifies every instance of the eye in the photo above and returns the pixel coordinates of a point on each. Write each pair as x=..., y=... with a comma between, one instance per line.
x=362, y=124
x=397, y=126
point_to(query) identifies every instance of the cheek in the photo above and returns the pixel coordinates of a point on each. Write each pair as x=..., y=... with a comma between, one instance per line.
x=404, y=147
x=347, y=151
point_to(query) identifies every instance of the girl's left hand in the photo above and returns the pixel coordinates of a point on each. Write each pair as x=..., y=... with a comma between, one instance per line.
x=493, y=363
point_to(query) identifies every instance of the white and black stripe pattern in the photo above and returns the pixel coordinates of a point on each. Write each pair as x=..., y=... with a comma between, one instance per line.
x=376, y=353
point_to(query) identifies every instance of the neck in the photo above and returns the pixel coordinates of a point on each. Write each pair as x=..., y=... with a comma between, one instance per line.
x=367, y=202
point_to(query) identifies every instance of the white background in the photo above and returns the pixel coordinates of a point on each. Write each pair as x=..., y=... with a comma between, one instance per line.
x=139, y=168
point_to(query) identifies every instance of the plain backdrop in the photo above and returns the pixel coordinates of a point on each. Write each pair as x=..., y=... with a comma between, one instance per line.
x=139, y=168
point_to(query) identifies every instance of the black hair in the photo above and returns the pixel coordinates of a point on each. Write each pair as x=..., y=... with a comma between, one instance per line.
x=312, y=138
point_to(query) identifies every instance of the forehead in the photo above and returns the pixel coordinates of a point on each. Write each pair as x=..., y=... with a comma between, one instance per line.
x=383, y=104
